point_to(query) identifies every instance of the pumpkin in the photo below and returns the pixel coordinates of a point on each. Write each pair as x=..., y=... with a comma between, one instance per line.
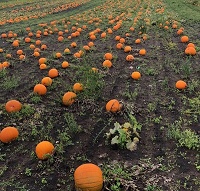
x=8, y=134
x=137, y=41
x=40, y=89
x=38, y=42
x=88, y=177
x=78, y=87
x=103, y=35
x=53, y=73
x=190, y=50
x=119, y=45
x=36, y=54
x=107, y=64
x=184, y=39
x=15, y=43
x=113, y=106
x=47, y=81
x=129, y=58
x=108, y=56
x=43, y=66
x=136, y=75
x=42, y=61
x=67, y=51
x=43, y=149
x=65, y=64
x=69, y=98
x=60, y=38
x=19, y=52
x=191, y=45
x=58, y=55
x=142, y=52
x=90, y=44
x=27, y=39
x=13, y=106
x=127, y=48
x=43, y=47
x=180, y=84
x=122, y=40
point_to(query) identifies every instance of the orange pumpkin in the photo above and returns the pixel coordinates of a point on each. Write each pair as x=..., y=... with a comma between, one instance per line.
x=69, y=98
x=180, y=84
x=107, y=64
x=65, y=64
x=47, y=81
x=113, y=106
x=88, y=177
x=43, y=66
x=53, y=73
x=184, y=39
x=43, y=149
x=42, y=61
x=58, y=55
x=138, y=41
x=78, y=87
x=129, y=58
x=136, y=75
x=13, y=106
x=142, y=52
x=190, y=50
x=108, y=56
x=40, y=89
x=127, y=48
x=8, y=134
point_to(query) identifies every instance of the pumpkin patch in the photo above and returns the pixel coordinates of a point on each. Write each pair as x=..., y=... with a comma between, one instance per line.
x=104, y=82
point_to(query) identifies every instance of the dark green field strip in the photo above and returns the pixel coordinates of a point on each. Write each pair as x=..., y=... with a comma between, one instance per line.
x=186, y=9
x=56, y=16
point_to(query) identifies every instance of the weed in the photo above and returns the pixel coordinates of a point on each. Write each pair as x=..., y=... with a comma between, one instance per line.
x=186, y=138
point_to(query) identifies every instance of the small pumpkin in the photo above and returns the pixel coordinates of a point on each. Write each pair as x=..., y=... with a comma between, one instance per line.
x=136, y=75
x=108, y=56
x=47, y=81
x=69, y=98
x=113, y=106
x=78, y=87
x=40, y=89
x=43, y=149
x=88, y=177
x=180, y=84
x=13, y=106
x=184, y=39
x=8, y=134
x=129, y=58
x=127, y=48
x=65, y=64
x=142, y=52
x=42, y=61
x=107, y=64
x=53, y=73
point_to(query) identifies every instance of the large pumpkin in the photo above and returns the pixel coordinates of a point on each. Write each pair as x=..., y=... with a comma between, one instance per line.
x=88, y=177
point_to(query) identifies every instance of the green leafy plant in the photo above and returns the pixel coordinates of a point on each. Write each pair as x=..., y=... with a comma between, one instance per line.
x=124, y=136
